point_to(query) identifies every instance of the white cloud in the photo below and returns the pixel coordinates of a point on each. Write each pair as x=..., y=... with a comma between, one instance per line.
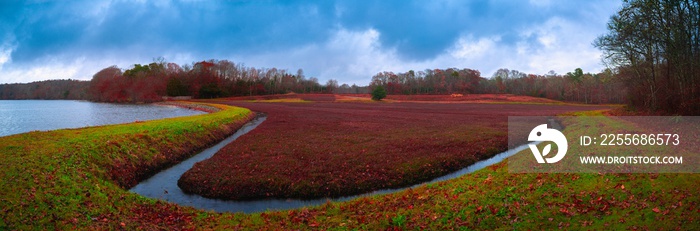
x=52, y=70
x=466, y=47
x=78, y=67
x=353, y=56
x=5, y=56
x=556, y=44
x=180, y=58
x=359, y=52
x=564, y=47
x=97, y=13
x=348, y=56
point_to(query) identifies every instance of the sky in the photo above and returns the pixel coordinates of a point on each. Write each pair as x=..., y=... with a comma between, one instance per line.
x=345, y=40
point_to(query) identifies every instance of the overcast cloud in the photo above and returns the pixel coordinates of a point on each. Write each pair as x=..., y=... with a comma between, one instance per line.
x=345, y=40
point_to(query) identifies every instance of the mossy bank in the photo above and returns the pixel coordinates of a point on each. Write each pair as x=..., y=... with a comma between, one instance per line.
x=76, y=178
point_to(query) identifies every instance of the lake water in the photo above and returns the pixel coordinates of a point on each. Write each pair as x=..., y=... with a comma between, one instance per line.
x=20, y=116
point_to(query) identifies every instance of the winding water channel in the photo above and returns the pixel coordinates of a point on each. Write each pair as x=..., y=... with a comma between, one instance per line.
x=164, y=184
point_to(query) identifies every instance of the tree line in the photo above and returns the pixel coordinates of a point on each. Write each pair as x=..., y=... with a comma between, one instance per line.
x=145, y=83
x=655, y=47
x=205, y=79
x=222, y=78
x=49, y=89
x=574, y=86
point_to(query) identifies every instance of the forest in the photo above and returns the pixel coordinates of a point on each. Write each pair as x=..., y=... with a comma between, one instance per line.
x=655, y=45
x=599, y=88
x=222, y=78
x=49, y=89
x=205, y=79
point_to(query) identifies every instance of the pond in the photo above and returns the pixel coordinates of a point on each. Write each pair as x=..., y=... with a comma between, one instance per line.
x=20, y=116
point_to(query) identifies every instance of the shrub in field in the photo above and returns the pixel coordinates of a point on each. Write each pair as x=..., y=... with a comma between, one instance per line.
x=378, y=93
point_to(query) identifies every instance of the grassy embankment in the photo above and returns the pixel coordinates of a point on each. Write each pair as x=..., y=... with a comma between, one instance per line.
x=80, y=177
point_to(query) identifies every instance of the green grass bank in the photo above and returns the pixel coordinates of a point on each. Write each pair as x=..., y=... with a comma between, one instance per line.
x=79, y=178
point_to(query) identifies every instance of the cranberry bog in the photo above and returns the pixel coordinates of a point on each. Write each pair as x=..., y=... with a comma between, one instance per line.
x=474, y=98
x=326, y=149
x=64, y=180
x=458, y=98
x=286, y=97
x=451, y=98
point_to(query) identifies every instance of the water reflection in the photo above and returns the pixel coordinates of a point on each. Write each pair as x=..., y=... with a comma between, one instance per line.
x=19, y=116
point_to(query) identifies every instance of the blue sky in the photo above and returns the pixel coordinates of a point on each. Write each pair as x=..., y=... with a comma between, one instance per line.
x=344, y=40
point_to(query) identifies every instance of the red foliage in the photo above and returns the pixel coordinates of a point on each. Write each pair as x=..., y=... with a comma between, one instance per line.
x=318, y=97
x=484, y=98
x=160, y=216
x=111, y=85
x=205, y=79
x=307, y=97
x=308, y=150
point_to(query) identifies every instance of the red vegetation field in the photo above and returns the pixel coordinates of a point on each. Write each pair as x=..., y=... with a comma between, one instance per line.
x=310, y=150
x=307, y=97
x=477, y=98
x=465, y=98
x=128, y=173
